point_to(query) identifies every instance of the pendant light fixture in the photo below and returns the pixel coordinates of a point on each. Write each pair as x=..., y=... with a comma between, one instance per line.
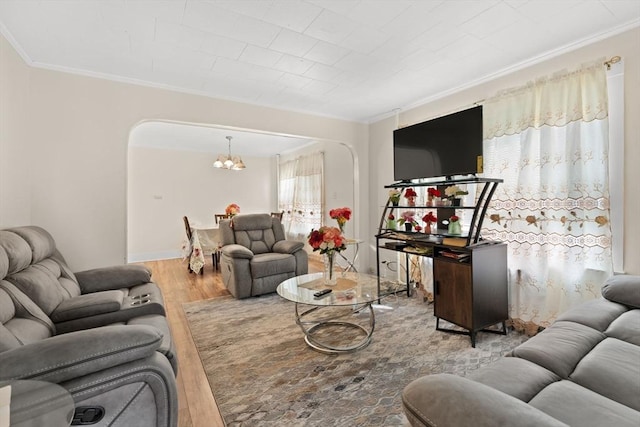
x=229, y=162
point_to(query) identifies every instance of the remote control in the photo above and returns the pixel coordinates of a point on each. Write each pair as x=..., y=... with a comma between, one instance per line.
x=322, y=293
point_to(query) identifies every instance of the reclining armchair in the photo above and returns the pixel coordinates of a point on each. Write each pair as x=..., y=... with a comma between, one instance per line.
x=121, y=294
x=115, y=374
x=256, y=257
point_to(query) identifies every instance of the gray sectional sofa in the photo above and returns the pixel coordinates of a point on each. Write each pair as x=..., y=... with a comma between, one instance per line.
x=101, y=334
x=584, y=370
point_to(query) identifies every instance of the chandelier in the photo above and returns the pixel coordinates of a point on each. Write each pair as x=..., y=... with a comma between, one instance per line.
x=229, y=162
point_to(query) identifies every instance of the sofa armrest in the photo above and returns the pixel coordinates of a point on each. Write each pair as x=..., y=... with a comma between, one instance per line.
x=623, y=289
x=68, y=356
x=287, y=246
x=115, y=277
x=86, y=305
x=449, y=400
x=237, y=251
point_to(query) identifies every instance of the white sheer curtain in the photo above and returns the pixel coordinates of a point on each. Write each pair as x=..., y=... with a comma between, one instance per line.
x=549, y=142
x=301, y=195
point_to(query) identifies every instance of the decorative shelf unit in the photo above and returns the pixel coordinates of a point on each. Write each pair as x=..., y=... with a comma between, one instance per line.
x=469, y=274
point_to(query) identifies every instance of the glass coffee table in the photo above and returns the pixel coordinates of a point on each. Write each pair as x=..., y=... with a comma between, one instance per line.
x=337, y=322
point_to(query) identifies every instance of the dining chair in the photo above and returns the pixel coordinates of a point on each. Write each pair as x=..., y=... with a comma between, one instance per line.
x=218, y=217
x=277, y=215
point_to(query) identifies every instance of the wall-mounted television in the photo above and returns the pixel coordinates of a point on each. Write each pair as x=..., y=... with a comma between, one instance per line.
x=441, y=147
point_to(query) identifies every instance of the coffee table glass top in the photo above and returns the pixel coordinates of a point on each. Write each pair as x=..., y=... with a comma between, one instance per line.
x=351, y=288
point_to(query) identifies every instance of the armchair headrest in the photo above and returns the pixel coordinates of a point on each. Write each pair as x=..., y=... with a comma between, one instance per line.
x=252, y=222
x=40, y=241
x=17, y=250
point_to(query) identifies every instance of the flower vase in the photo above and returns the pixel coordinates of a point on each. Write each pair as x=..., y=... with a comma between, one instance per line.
x=455, y=202
x=454, y=228
x=394, y=202
x=392, y=224
x=411, y=201
x=329, y=276
x=408, y=226
x=430, y=201
x=427, y=228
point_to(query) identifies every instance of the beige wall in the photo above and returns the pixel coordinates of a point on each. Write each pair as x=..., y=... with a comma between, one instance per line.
x=165, y=185
x=627, y=45
x=74, y=150
x=15, y=170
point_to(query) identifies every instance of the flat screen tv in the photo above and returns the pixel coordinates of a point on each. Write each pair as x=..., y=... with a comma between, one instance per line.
x=442, y=147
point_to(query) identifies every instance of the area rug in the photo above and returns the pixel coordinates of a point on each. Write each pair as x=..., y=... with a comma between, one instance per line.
x=263, y=374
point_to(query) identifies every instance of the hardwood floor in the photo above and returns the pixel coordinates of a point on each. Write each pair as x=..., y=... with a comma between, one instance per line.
x=197, y=405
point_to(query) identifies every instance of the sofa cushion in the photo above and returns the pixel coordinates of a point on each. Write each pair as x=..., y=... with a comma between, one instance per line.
x=560, y=347
x=42, y=282
x=624, y=289
x=4, y=263
x=269, y=264
x=255, y=232
x=625, y=327
x=21, y=320
x=610, y=369
x=17, y=250
x=39, y=240
x=577, y=406
x=597, y=314
x=516, y=377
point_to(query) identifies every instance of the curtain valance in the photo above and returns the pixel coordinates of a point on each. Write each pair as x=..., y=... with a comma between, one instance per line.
x=552, y=101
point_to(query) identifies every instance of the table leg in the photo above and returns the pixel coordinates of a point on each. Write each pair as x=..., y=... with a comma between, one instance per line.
x=312, y=326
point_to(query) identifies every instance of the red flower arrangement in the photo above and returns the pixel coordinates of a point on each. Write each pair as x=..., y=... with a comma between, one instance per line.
x=342, y=215
x=433, y=192
x=409, y=192
x=454, y=218
x=326, y=239
x=429, y=218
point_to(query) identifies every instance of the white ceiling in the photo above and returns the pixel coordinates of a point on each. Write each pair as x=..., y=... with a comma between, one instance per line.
x=352, y=59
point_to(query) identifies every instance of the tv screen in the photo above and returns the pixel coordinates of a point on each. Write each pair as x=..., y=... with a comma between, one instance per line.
x=442, y=147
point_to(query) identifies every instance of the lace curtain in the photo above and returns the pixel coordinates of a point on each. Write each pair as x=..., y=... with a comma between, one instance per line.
x=300, y=195
x=549, y=142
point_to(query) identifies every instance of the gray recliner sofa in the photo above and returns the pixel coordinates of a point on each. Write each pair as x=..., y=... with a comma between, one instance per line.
x=106, y=351
x=583, y=370
x=256, y=257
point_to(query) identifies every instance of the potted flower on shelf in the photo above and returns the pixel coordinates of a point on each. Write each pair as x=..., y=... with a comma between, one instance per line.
x=410, y=195
x=391, y=222
x=454, y=225
x=429, y=219
x=394, y=196
x=453, y=192
x=432, y=194
x=408, y=219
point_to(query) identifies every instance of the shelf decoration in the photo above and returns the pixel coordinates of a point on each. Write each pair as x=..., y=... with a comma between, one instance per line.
x=452, y=192
x=328, y=241
x=410, y=195
x=341, y=215
x=408, y=219
x=454, y=225
x=394, y=196
x=391, y=222
x=429, y=219
x=432, y=195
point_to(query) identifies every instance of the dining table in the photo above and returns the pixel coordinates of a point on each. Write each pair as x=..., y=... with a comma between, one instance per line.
x=205, y=241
